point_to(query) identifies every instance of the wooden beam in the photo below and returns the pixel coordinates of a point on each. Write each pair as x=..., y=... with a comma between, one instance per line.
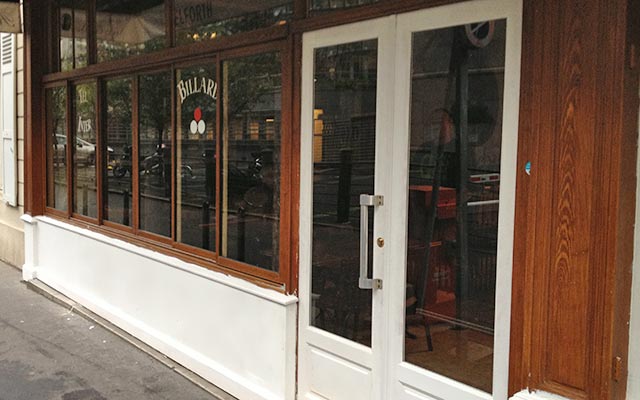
x=35, y=48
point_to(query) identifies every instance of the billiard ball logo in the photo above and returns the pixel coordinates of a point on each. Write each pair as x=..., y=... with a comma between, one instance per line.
x=198, y=125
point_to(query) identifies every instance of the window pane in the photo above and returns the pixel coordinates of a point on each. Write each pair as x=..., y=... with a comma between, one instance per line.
x=155, y=153
x=457, y=85
x=197, y=92
x=195, y=21
x=57, y=148
x=119, y=141
x=344, y=144
x=323, y=6
x=251, y=160
x=84, y=153
x=80, y=35
x=73, y=34
x=66, y=35
x=129, y=28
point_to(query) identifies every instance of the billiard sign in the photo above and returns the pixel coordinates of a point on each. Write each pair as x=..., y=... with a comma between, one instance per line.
x=197, y=85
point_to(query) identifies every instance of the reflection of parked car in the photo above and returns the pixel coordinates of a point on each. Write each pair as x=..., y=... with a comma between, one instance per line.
x=85, y=151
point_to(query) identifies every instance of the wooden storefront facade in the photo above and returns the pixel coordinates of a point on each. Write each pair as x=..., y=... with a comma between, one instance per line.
x=570, y=267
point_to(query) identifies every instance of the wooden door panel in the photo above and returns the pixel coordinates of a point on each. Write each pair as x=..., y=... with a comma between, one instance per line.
x=572, y=245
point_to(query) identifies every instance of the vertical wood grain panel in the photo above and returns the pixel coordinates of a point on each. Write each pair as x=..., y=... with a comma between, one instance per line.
x=567, y=317
x=574, y=233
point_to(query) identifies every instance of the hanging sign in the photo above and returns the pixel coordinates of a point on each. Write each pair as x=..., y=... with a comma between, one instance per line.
x=480, y=34
x=10, y=17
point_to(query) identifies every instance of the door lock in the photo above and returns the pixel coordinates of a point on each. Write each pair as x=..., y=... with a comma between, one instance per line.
x=380, y=242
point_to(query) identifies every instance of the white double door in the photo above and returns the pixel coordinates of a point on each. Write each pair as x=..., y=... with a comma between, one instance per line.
x=408, y=157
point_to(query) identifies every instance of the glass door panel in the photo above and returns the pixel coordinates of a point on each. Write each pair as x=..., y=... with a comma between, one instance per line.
x=457, y=85
x=344, y=141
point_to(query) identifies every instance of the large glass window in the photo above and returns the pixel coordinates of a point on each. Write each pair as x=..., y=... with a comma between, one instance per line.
x=196, y=98
x=189, y=155
x=72, y=33
x=154, y=149
x=129, y=28
x=56, y=103
x=84, y=150
x=118, y=188
x=251, y=159
x=197, y=20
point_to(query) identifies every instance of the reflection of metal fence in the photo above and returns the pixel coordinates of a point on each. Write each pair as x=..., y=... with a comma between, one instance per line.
x=326, y=195
x=357, y=134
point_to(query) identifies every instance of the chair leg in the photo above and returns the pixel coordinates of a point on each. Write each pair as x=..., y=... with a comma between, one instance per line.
x=427, y=329
x=409, y=334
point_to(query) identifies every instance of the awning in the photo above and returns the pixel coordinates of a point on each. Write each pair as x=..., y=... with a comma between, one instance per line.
x=10, y=17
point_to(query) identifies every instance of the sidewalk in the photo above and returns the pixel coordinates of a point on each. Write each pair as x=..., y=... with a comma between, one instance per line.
x=48, y=352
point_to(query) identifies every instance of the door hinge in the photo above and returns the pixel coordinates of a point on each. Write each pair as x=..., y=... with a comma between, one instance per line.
x=617, y=369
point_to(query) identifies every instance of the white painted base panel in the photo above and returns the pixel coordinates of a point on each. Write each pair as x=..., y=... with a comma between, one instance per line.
x=537, y=395
x=338, y=384
x=235, y=334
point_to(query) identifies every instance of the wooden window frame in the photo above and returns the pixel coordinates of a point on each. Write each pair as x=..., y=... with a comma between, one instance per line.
x=287, y=39
x=43, y=116
x=166, y=241
x=216, y=55
x=71, y=139
x=103, y=171
x=198, y=61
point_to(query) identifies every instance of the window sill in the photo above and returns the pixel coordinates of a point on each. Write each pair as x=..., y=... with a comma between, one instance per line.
x=271, y=291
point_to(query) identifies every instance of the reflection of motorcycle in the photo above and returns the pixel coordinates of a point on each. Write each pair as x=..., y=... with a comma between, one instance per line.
x=123, y=165
x=154, y=164
x=256, y=166
x=257, y=184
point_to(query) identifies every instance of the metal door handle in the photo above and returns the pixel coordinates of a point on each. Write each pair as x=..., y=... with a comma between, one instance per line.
x=367, y=201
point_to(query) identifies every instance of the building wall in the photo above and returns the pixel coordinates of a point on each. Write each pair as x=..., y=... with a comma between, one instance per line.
x=231, y=332
x=11, y=228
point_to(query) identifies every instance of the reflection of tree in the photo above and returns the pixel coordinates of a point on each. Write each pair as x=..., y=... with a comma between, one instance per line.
x=233, y=25
x=155, y=105
x=56, y=125
x=347, y=67
x=247, y=89
x=58, y=111
x=108, y=50
x=345, y=92
x=119, y=98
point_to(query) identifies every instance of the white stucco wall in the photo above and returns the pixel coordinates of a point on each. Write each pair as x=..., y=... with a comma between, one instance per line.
x=11, y=228
x=235, y=334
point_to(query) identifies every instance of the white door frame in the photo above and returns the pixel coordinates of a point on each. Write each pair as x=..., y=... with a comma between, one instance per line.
x=389, y=377
x=315, y=343
x=428, y=19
